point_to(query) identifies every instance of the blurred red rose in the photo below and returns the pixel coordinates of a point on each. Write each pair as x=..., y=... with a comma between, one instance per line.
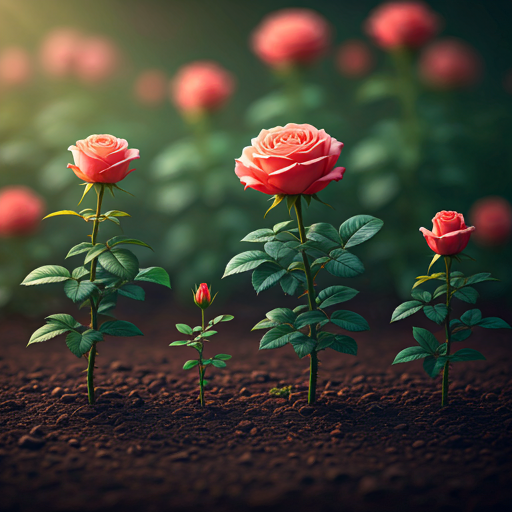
x=102, y=159
x=294, y=159
x=151, y=87
x=492, y=217
x=98, y=59
x=201, y=86
x=59, y=51
x=15, y=66
x=402, y=24
x=291, y=36
x=450, y=64
x=354, y=58
x=449, y=234
x=21, y=210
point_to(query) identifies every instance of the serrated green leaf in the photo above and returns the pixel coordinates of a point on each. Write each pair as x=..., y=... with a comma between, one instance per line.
x=493, y=322
x=466, y=354
x=421, y=295
x=283, y=226
x=440, y=290
x=359, y=229
x=406, y=309
x=433, y=365
x=63, y=320
x=46, y=332
x=121, y=263
x=324, y=233
x=132, y=291
x=290, y=284
x=264, y=324
x=221, y=318
x=260, y=235
x=266, y=276
x=425, y=339
x=78, y=291
x=277, y=337
x=344, y=344
x=81, y=343
x=349, y=321
x=467, y=294
x=309, y=318
x=184, y=329
x=302, y=344
x=436, y=313
x=479, y=278
x=191, y=363
x=154, y=275
x=47, y=274
x=120, y=328
x=245, y=261
x=411, y=354
x=344, y=264
x=94, y=252
x=471, y=317
x=282, y=316
x=334, y=295
x=80, y=272
x=79, y=249
x=459, y=331
x=121, y=239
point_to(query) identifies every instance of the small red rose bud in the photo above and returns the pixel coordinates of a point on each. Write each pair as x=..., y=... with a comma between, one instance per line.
x=202, y=296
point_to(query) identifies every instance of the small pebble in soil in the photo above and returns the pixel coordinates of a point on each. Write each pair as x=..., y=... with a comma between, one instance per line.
x=68, y=398
x=31, y=442
x=58, y=392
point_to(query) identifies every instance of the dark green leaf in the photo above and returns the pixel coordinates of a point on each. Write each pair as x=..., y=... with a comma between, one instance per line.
x=300, y=309
x=344, y=264
x=436, y=313
x=46, y=332
x=218, y=364
x=425, y=339
x=245, y=261
x=459, y=331
x=121, y=263
x=264, y=324
x=349, y=321
x=289, y=284
x=78, y=291
x=471, y=317
x=79, y=249
x=47, y=274
x=480, y=278
x=260, y=235
x=310, y=318
x=277, y=337
x=410, y=354
x=80, y=272
x=421, y=295
x=433, y=365
x=122, y=239
x=221, y=318
x=334, y=295
x=120, y=328
x=283, y=226
x=282, y=316
x=344, y=344
x=266, y=276
x=223, y=357
x=81, y=343
x=63, y=320
x=467, y=294
x=323, y=232
x=132, y=291
x=154, y=275
x=190, y=364
x=466, y=354
x=406, y=309
x=184, y=329
x=94, y=252
x=440, y=290
x=178, y=343
x=493, y=322
x=302, y=344
x=359, y=229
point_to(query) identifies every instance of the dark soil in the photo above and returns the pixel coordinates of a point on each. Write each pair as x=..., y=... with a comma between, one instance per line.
x=376, y=440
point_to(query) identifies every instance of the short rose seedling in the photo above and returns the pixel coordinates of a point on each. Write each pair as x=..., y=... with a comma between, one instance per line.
x=108, y=270
x=292, y=164
x=201, y=335
x=448, y=238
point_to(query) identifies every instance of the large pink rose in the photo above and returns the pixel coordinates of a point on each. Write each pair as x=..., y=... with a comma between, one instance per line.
x=21, y=210
x=450, y=235
x=295, y=159
x=201, y=86
x=291, y=36
x=102, y=159
x=402, y=24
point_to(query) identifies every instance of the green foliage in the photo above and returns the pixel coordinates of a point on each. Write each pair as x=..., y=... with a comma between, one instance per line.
x=120, y=328
x=437, y=313
x=283, y=392
x=121, y=239
x=245, y=261
x=79, y=249
x=406, y=309
x=47, y=274
x=81, y=343
x=132, y=291
x=344, y=264
x=155, y=275
x=78, y=291
x=426, y=340
x=334, y=295
x=191, y=363
x=359, y=229
x=466, y=354
x=184, y=329
x=349, y=321
x=121, y=263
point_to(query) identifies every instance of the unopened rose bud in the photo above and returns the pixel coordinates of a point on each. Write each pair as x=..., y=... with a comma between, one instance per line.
x=202, y=296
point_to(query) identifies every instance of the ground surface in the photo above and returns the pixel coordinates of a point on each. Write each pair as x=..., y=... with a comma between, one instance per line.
x=376, y=440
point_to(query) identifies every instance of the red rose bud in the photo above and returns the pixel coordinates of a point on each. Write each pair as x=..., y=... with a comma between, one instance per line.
x=21, y=210
x=354, y=59
x=492, y=217
x=203, y=297
x=291, y=36
x=402, y=25
x=201, y=86
x=450, y=64
x=449, y=235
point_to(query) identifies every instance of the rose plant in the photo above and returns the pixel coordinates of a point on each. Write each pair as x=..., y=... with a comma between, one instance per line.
x=108, y=270
x=201, y=334
x=294, y=163
x=448, y=238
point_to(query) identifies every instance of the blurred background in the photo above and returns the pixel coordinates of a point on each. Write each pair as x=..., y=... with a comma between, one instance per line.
x=425, y=121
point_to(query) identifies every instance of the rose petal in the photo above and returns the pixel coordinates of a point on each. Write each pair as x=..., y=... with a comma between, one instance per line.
x=335, y=175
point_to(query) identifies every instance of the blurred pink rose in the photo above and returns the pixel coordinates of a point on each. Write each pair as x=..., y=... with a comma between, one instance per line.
x=59, y=52
x=201, y=86
x=21, y=210
x=492, y=217
x=295, y=159
x=102, y=159
x=450, y=235
x=98, y=59
x=291, y=36
x=450, y=64
x=15, y=66
x=151, y=87
x=354, y=58
x=402, y=24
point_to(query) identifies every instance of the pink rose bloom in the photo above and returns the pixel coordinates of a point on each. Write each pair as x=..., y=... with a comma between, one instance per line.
x=450, y=64
x=151, y=87
x=102, y=159
x=296, y=159
x=59, y=52
x=201, y=86
x=450, y=235
x=15, y=66
x=98, y=59
x=492, y=217
x=354, y=59
x=402, y=24
x=291, y=36
x=21, y=210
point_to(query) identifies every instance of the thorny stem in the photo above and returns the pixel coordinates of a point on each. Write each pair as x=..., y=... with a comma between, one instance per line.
x=446, y=370
x=313, y=363
x=200, y=366
x=94, y=305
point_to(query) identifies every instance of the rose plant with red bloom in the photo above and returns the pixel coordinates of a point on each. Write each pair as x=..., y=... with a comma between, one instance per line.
x=108, y=270
x=294, y=163
x=448, y=238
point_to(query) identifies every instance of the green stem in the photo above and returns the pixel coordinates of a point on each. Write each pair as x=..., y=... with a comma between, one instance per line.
x=201, y=367
x=446, y=369
x=313, y=364
x=100, y=190
x=293, y=87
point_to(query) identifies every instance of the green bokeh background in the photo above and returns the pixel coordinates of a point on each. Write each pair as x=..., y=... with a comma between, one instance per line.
x=194, y=211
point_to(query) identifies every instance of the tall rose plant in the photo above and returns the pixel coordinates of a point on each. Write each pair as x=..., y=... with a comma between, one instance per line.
x=292, y=164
